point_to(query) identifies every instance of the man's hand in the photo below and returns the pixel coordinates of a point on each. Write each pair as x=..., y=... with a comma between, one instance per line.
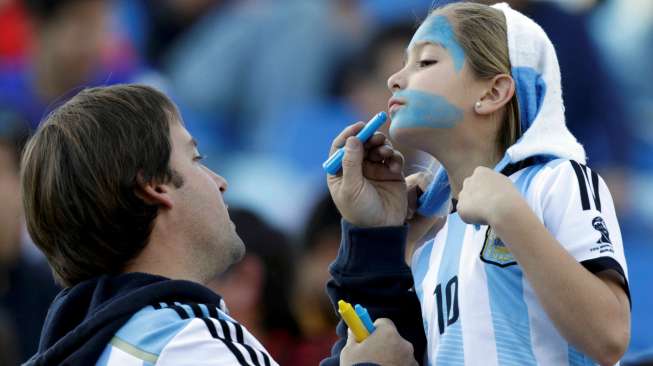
x=383, y=347
x=371, y=190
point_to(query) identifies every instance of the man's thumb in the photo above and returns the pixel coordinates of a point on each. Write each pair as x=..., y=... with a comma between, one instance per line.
x=352, y=162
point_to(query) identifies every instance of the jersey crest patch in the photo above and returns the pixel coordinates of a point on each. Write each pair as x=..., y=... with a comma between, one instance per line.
x=495, y=251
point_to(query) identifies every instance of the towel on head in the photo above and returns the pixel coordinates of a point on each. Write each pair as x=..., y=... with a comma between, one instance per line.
x=536, y=73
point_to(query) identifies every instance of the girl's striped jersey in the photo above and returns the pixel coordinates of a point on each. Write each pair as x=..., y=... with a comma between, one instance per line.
x=477, y=305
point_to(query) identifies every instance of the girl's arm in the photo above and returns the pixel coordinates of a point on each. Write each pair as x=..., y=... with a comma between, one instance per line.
x=590, y=310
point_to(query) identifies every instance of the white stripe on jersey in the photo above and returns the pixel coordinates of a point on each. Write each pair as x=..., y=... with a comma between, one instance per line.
x=544, y=335
x=478, y=327
x=427, y=253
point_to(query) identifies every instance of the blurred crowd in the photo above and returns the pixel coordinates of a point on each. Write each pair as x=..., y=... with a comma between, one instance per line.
x=264, y=86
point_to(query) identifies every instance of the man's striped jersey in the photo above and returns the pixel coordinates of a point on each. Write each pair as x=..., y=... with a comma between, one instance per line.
x=477, y=305
x=183, y=334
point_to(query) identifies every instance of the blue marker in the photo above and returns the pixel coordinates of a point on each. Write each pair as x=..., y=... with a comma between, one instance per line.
x=334, y=163
x=365, y=318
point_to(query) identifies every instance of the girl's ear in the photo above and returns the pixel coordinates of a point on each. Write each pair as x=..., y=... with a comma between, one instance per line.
x=153, y=193
x=501, y=89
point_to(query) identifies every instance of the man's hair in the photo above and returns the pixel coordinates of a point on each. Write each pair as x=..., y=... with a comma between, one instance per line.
x=80, y=175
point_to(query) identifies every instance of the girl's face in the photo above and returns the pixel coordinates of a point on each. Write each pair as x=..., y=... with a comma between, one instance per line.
x=435, y=90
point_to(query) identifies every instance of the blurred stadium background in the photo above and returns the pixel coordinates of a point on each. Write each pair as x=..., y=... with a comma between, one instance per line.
x=265, y=86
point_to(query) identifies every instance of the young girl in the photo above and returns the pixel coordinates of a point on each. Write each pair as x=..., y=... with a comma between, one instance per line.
x=529, y=267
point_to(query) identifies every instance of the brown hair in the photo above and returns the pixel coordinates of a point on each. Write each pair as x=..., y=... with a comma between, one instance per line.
x=80, y=175
x=482, y=33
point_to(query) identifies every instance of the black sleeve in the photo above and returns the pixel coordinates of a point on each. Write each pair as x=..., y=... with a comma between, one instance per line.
x=600, y=264
x=370, y=270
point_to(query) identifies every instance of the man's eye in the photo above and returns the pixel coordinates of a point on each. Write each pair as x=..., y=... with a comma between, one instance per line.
x=425, y=63
x=199, y=158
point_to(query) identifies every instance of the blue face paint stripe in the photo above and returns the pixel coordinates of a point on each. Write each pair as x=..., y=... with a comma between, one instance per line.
x=424, y=109
x=438, y=29
x=450, y=350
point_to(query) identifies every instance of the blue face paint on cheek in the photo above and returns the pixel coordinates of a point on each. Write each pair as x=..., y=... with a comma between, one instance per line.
x=437, y=29
x=425, y=110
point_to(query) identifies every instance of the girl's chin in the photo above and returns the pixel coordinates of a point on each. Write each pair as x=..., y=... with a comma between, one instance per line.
x=409, y=136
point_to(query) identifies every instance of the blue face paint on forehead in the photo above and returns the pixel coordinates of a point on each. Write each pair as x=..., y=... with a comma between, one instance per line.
x=425, y=110
x=437, y=29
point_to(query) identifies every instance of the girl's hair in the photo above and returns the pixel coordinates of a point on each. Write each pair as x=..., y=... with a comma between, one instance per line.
x=482, y=33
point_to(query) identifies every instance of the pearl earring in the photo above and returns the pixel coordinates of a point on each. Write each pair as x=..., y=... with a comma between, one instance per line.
x=477, y=105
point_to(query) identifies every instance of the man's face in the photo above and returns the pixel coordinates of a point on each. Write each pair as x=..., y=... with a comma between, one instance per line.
x=199, y=209
x=10, y=206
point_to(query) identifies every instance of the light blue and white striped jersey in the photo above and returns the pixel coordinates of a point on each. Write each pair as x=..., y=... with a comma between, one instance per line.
x=183, y=334
x=477, y=305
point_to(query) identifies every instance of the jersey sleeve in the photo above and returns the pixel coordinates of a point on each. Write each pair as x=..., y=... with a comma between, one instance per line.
x=576, y=207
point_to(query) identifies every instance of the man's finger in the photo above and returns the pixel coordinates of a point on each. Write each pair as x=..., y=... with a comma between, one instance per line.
x=384, y=323
x=377, y=139
x=396, y=162
x=381, y=172
x=351, y=130
x=380, y=153
x=351, y=339
x=352, y=165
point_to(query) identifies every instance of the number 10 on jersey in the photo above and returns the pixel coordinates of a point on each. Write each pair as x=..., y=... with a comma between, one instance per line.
x=447, y=301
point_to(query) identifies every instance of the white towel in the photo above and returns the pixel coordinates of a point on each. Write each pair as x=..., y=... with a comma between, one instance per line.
x=536, y=73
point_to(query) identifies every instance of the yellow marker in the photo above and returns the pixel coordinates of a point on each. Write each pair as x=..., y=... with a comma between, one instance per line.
x=353, y=321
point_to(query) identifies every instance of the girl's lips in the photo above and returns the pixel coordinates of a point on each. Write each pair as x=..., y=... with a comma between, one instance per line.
x=394, y=104
x=394, y=108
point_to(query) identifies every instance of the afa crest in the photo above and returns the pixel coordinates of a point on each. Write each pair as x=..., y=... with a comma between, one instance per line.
x=495, y=251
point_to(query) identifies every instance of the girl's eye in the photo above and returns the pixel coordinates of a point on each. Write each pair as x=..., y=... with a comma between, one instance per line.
x=425, y=63
x=199, y=158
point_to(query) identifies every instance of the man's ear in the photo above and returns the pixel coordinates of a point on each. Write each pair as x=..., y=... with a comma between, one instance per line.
x=500, y=90
x=153, y=193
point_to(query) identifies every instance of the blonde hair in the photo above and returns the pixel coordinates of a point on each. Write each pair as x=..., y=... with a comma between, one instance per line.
x=482, y=33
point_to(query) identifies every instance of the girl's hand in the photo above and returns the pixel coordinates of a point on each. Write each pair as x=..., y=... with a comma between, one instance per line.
x=370, y=191
x=486, y=197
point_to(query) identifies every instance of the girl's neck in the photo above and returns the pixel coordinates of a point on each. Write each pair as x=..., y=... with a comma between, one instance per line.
x=460, y=162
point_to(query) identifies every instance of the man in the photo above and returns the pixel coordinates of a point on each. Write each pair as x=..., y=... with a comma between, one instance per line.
x=133, y=225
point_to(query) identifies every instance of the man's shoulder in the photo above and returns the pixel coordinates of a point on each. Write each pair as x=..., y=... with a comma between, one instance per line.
x=174, y=331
